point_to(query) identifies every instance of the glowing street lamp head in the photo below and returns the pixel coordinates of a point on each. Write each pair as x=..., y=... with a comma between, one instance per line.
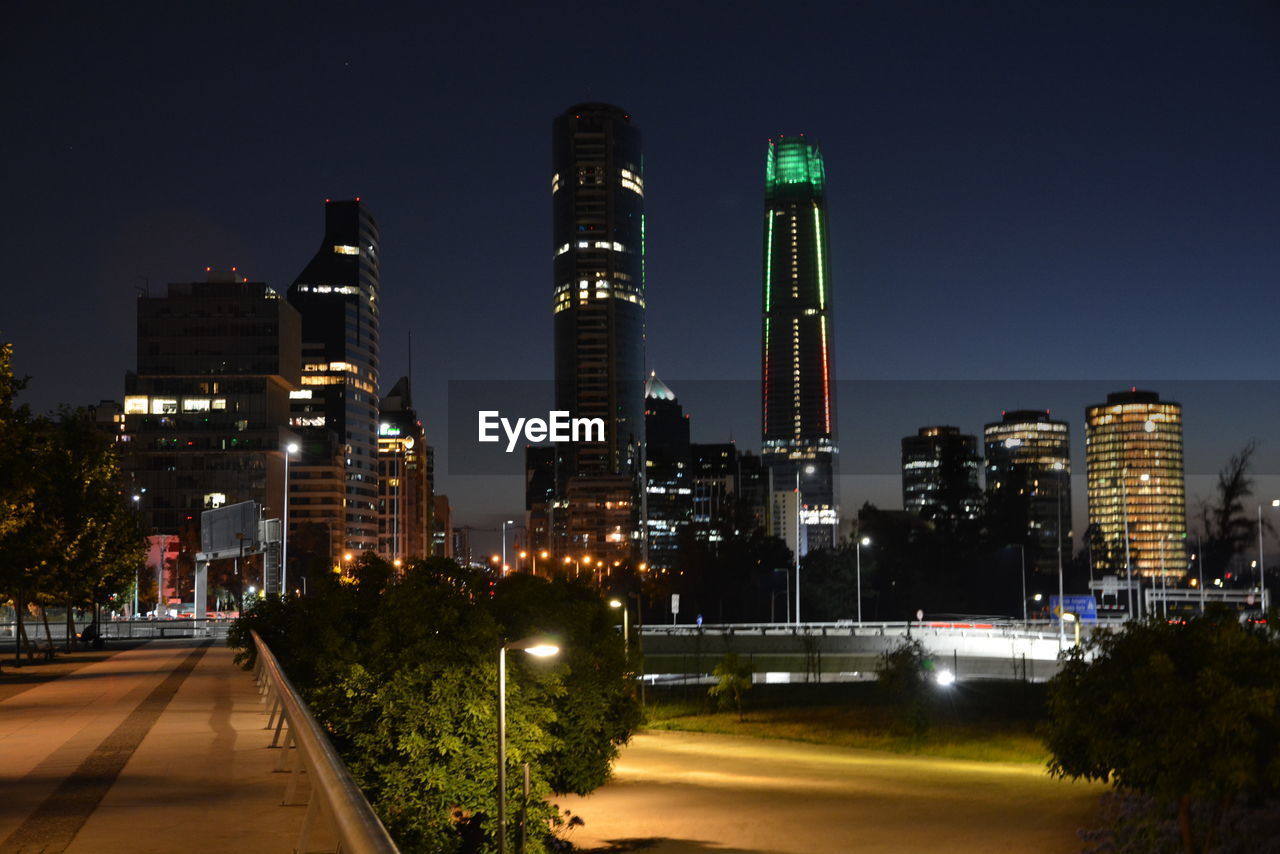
x=537, y=646
x=523, y=555
x=495, y=559
x=347, y=556
x=615, y=603
x=292, y=447
x=544, y=650
x=544, y=553
x=866, y=541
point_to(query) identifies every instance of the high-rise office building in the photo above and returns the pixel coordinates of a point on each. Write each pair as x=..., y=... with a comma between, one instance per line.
x=336, y=412
x=1029, y=474
x=1133, y=456
x=668, y=477
x=798, y=380
x=730, y=492
x=405, y=501
x=940, y=475
x=597, y=191
x=206, y=414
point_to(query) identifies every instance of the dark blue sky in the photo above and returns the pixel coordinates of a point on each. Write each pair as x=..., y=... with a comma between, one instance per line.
x=1031, y=191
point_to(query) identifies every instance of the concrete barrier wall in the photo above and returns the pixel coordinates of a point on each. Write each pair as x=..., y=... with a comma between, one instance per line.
x=832, y=651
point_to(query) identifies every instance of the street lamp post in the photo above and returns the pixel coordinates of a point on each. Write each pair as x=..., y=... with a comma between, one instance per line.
x=1062, y=593
x=137, y=499
x=1262, y=565
x=289, y=450
x=865, y=541
x=807, y=470
x=626, y=635
x=504, y=544
x=1022, y=551
x=535, y=646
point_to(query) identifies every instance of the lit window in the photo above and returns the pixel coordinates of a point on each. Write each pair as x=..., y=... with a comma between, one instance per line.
x=305, y=394
x=196, y=404
x=135, y=405
x=220, y=403
x=346, y=250
x=164, y=406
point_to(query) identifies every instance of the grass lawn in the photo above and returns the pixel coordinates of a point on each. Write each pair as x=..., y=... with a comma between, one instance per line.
x=984, y=721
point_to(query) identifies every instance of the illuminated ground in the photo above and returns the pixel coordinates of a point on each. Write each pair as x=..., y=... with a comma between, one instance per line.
x=676, y=793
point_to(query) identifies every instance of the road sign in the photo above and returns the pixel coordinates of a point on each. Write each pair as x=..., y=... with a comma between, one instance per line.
x=1083, y=606
x=675, y=604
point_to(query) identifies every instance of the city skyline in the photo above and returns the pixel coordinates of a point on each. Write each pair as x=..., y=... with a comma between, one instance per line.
x=986, y=208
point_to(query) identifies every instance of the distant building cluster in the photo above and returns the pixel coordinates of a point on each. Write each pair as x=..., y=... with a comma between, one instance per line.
x=1134, y=472
x=232, y=377
x=237, y=384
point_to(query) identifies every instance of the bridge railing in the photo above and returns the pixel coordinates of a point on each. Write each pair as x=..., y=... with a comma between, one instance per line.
x=307, y=749
x=120, y=629
x=1006, y=628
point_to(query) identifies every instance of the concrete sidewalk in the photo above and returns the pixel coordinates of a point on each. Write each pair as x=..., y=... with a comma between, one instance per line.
x=158, y=749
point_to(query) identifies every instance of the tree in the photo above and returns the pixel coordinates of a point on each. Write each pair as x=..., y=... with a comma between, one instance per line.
x=1229, y=529
x=402, y=671
x=17, y=487
x=734, y=681
x=86, y=527
x=1185, y=714
x=901, y=682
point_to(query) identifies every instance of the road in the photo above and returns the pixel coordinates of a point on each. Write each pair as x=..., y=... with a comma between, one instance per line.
x=680, y=793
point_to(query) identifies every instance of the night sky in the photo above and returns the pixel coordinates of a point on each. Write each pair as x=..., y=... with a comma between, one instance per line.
x=1017, y=191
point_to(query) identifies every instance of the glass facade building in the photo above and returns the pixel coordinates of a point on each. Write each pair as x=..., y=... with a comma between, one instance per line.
x=1029, y=468
x=797, y=371
x=668, y=473
x=597, y=192
x=206, y=413
x=1133, y=456
x=405, y=488
x=335, y=482
x=598, y=304
x=940, y=475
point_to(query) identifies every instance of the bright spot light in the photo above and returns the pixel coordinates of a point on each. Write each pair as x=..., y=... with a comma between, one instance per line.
x=292, y=447
x=543, y=650
x=945, y=677
x=1150, y=426
x=866, y=541
x=615, y=603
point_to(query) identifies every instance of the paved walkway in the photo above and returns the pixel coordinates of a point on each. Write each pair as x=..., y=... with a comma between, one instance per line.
x=687, y=793
x=157, y=749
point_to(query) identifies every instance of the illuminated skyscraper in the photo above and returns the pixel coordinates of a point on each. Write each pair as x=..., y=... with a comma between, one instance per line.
x=940, y=475
x=336, y=479
x=797, y=366
x=597, y=191
x=1029, y=474
x=1133, y=452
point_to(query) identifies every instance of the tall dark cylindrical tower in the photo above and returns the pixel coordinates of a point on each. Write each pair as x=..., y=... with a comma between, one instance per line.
x=597, y=191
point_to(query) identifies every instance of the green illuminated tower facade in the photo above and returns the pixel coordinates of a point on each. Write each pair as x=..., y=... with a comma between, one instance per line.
x=797, y=370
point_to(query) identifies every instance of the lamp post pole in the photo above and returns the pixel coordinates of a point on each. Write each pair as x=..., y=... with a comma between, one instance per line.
x=863, y=541
x=1128, y=563
x=1062, y=593
x=1022, y=552
x=537, y=647
x=289, y=450
x=807, y=470
x=797, y=546
x=504, y=545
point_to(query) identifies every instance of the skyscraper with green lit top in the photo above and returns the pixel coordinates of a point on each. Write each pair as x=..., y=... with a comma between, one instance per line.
x=797, y=368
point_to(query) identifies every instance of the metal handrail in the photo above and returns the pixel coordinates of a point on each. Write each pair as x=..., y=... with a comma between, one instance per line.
x=358, y=828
